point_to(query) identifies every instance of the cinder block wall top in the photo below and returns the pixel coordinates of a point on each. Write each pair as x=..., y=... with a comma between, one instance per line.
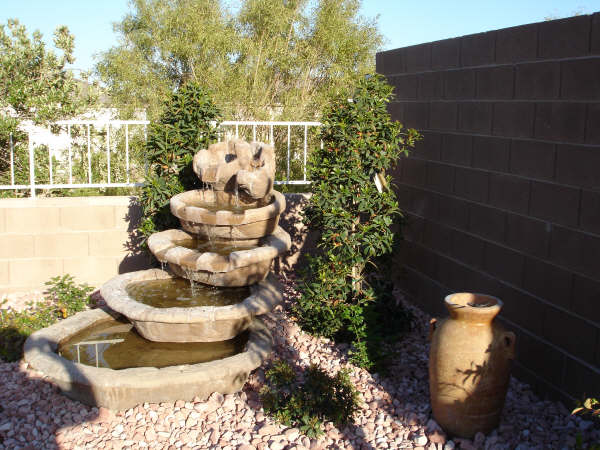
x=503, y=193
x=87, y=237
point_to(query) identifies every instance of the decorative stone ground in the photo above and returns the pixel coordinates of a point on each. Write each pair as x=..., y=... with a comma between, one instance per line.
x=395, y=411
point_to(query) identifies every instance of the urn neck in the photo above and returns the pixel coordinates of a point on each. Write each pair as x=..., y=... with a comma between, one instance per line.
x=471, y=307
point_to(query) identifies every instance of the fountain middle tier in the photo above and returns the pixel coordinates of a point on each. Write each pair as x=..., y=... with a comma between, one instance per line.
x=223, y=215
x=219, y=262
x=184, y=323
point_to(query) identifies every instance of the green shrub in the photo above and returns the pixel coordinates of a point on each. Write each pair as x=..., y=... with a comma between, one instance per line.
x=188, y=124
x=64, y=298
x=306, y=405
x=343, y=294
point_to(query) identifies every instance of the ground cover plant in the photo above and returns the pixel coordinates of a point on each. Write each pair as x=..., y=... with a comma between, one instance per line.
x=306, y=404
x=64, y=297
x=343, y=293
x=187, y=125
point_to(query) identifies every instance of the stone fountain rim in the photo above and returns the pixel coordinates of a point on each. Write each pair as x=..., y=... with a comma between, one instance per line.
x=116, y=389
x=264, y=296
x=197, y=214
x=268, y=248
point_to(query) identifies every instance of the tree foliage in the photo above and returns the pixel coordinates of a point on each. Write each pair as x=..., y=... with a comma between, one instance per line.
x=353, y=217
x=186, y=125
x=35, y=85
x=266, y=59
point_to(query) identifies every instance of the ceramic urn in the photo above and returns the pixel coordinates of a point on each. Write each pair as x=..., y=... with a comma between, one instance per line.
x=469, y=365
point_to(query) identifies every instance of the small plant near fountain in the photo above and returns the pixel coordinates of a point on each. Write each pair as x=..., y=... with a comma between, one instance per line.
x=307, y=403
x=353, y=208
x=64, y=297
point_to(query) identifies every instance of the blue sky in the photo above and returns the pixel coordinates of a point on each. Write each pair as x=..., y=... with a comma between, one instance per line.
x=402, y=22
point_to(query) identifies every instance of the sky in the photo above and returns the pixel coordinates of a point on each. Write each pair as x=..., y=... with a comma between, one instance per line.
x=402, y=22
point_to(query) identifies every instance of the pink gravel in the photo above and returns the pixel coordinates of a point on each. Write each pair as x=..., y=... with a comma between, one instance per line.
x=394, y=413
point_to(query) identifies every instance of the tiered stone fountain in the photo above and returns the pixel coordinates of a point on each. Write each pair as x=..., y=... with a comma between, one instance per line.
x=189, y=330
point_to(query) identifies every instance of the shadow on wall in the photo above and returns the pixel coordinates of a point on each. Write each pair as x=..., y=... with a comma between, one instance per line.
x=137, y=257
x=303, y=240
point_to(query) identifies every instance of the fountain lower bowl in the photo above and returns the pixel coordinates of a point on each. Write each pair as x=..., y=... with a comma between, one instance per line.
x=125, y=388
x=256, y=222
x=238, y=268
x=193, y=324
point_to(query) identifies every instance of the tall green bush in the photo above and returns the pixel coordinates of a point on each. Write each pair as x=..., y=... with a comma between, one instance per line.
x=340, y=296
x=188, y=123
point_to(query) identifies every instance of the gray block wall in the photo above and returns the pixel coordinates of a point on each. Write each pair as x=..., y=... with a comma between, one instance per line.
x=503, y=193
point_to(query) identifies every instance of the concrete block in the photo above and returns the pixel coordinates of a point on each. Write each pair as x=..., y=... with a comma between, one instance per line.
x=456, y=149
x=438, y=237
x=413, y=171
x=513, y=119
x=459, y=84
x=537, y=80
x=13, y=246
x=595, y=47
x=566, y=247
x=428, y=147
x=495, y=82
x=443, y=115
x=445, y=54
x=586, y=298
x=58, y=245
x=592, y=131
x=522, y=309
x=93, y=270
x=548, y=281
x=418, y=57
x=454, y=212
x=560, y=121
x=533, y=159
x=589, y=216
x=128, y=217
x=430, y=85
x=517, y=44
x=108, y=243
x=34, y=272
x=4, y=273
x=416, y=115
x=87, y=218
x=580, y=379
x=578, y=165
x=491, y=153
x=2, y=220
x=489, y=223
x=560, y=327
x=564, y=37
x=391, y=62
x=529, y=235
x=472, y=184
x=475, y=117
x=396, y=111
x=504, y=263
x=556, y=203
x=509, y=192
x=405, y=86
x=440, y=177
x=580, y=79
x=425, y=204
x=589, y=260
x=468, y=249
x=541, y=358
x=477, y=49
x=32, y=219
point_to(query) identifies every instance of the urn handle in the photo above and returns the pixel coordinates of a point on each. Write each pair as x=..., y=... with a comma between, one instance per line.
x=508, y=339
x=432, y=328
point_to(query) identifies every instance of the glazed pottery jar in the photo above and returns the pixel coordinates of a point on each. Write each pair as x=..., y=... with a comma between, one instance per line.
x=469, y=365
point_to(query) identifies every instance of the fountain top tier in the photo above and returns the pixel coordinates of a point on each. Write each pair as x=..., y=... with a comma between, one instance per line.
x=238, y=166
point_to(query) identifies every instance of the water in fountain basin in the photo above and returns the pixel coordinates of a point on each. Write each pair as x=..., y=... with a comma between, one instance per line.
x=178, y=293
x=115, y=344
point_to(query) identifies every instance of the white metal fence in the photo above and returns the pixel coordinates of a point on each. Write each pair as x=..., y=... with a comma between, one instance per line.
x=292, y=139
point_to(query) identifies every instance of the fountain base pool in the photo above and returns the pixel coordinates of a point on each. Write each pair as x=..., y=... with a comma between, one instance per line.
x=125, y=388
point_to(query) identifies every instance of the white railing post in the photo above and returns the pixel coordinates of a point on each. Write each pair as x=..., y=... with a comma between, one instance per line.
x=70, y=156
x=127, y=151
x=89, y=155
x=288, y=154
x=108, y=150
x=31, y=166
x=305, y=148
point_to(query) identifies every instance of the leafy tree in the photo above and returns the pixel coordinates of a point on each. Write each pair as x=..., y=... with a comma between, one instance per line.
x=341, y=296
x=185, y=126
x=266, y=59
x=34, y=85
